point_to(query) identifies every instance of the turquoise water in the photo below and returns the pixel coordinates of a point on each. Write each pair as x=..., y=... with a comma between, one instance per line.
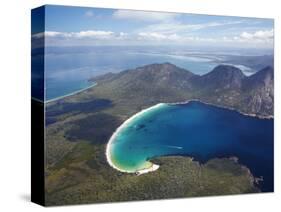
x=198, y=130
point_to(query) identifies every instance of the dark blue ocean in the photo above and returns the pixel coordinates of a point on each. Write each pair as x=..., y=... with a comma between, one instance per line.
x=200, y=131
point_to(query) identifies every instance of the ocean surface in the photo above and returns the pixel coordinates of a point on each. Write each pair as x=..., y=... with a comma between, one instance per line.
x=69, y=69
x=197, y=130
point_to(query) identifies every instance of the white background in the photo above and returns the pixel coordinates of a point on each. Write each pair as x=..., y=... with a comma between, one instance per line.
x=15, y=104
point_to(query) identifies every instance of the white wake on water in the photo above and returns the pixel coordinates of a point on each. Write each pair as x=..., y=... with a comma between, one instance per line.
x=174, y=147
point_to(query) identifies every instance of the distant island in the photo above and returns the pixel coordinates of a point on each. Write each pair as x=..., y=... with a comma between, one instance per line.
x=79, y=127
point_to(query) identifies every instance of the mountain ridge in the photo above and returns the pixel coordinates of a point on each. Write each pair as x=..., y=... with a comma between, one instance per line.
x=225, y=85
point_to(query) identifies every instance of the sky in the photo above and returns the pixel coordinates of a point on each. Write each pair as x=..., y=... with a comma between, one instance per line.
x=79, y=26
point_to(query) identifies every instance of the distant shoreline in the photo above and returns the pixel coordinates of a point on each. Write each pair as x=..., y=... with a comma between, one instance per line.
x=71, y=94
x=225, y=107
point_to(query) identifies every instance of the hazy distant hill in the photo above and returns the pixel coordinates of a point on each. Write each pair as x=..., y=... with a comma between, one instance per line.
x=225, y=85
x=254, y=62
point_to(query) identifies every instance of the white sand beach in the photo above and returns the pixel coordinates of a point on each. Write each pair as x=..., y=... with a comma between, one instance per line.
x=153, y=167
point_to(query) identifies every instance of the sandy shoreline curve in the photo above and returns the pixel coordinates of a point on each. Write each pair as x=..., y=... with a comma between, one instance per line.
x=153, y=167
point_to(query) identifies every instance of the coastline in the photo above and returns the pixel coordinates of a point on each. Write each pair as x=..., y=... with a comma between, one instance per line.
x=70, y=94
x=224, y=107
x=153, y=167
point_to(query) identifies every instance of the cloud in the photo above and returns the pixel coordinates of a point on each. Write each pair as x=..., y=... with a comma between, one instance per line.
x=258, y=35
x=173, y=38
x=178, y=27
x=53, y=34
x=92, y=34
x=89, y=13
x=153, y=36
x=89, y=37
x=262, y=38
x=144, y=15
x=82, y=34
x=47, y=34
